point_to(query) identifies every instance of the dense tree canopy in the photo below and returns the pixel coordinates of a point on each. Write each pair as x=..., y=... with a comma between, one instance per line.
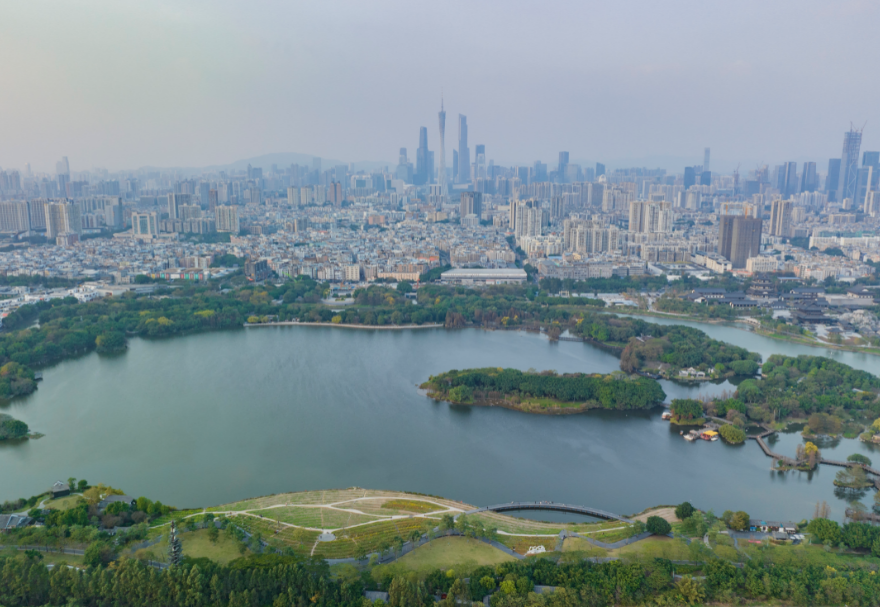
x=804, y=385
x=606, y=391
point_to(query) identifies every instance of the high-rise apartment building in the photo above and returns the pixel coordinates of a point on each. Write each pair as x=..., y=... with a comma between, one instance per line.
x=14, y=216
x=113, y=214
x=213, y=200
x=464, y=154
x=37, y=213
x=63, y=218
x=849, y=165
x=650, y=217
x=739, y=237
x=175, y=201
x=471, y=204
x=780, y=218
x=706, y=160
x=563, y=165
x=227, y=219
x=872, y=204
x=600, y=169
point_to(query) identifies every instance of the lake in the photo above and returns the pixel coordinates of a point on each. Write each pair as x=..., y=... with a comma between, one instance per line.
x=211, y=418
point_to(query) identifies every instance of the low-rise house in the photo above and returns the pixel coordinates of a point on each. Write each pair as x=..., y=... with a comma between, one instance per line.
x=13, y=521
x=110, y=499
x=60, y=489
x=772, y=526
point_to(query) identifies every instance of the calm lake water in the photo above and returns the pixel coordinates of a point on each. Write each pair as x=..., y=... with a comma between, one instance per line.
x=212, y=418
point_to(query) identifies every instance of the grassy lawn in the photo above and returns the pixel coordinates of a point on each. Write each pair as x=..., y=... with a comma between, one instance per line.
x=63, y=503
x=656, y=547
x=582, y=547
x=370, y=537
x=317, y=518
x=804, y=554
x=510, y=524
x=449, y=552
x=196, y=544
x=301, y=540
x=522, y=544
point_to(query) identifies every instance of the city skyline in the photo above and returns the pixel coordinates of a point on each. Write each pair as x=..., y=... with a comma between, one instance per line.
x=104, y=102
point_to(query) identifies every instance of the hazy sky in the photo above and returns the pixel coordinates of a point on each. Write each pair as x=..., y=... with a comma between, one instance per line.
x=121, y=84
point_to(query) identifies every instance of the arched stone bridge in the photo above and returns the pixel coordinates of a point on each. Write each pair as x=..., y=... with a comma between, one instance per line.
x=586, y=510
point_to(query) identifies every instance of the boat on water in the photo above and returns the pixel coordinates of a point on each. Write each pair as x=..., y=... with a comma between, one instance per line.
x=666, y=415
x=692, y=435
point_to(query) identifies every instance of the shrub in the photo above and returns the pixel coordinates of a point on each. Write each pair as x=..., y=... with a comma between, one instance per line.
x=658, y=526
x=684, y=510
x=732, y=434
x=739, y=521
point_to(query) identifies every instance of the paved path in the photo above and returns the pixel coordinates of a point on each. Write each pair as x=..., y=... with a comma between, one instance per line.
x=552, y=506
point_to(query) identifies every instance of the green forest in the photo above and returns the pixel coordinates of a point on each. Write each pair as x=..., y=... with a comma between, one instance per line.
x=282, y=581
x=615, y=391
x=804, y=385
x=649, y=347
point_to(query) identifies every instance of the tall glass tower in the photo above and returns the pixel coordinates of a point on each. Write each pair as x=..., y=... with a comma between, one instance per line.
x=849, y=165
x=442, y=173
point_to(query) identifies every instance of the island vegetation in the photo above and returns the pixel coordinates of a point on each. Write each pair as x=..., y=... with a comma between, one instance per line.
x=546, y=392
x=665, y=349
x=11, y=428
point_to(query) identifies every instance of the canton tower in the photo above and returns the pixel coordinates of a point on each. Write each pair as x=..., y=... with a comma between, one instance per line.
x=442, y=175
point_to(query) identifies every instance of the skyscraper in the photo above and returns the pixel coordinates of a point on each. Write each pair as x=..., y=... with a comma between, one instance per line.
x=479, y=161
x=739, y=237
x=690, y=177
x=832, y=179
x=706, y=160
x=809, y=178
x=464, y=154
x=442, y=172
x=563, y=164
x=849, y=165
x=780, y=218
x=421, y=176
x=600, y=169
x=789, y=179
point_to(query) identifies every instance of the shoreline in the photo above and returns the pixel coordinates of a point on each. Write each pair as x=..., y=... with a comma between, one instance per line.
x=752, y=328
x=290, y=323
